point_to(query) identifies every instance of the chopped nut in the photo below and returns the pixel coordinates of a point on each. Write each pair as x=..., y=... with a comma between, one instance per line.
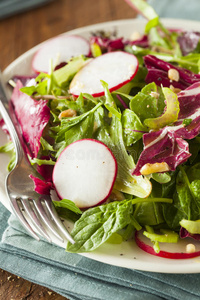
x=154, y=168
x=68, y=113
x=50, y=293
x=116, y=195
x=175, y=90
x=173, y=74
x=190, y=248
x=135, y=36
x=154, y=94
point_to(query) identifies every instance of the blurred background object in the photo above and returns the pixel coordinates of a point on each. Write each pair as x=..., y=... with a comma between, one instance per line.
x=12, y=7
x=22, y=31
x=179, y=9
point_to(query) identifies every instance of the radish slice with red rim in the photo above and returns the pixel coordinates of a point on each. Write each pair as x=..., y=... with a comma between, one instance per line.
x=85, y=173
x=59, y=49
x=145, y=244
x=115, y=68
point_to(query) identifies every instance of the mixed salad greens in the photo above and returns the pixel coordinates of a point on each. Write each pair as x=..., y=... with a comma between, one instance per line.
x=151, y=124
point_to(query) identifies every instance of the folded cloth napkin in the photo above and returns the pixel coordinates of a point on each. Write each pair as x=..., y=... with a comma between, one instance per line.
x=12, y=7
x=80, y=278
x=77, y=277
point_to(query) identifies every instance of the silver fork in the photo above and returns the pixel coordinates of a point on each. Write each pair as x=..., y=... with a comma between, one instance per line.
x=35, y=212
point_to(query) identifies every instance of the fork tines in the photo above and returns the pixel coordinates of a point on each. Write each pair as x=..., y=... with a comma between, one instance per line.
x=43, y=218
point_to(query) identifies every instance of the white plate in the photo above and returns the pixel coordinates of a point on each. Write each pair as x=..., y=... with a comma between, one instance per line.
x=126, y=254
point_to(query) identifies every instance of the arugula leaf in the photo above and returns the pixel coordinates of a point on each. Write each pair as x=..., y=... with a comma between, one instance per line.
x=67, y=123
x=41, y=162
x=109, y=101
x=45, y=145
x=40, y=87
x=112, y=136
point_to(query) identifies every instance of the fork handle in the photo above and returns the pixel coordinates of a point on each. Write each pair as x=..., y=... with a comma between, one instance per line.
x=6, y=115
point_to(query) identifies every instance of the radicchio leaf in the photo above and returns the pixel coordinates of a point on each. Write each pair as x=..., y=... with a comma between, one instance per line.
x=188, y=41
x=45, y=171
x=168, y=144
x=42, y=187
x=33, y=117
x=4, y=127
x=24, y=79
x=189, y=101
x=141, y=42
x=184, y=234
x=163, y=146
x=107, y=44
x=158, y=73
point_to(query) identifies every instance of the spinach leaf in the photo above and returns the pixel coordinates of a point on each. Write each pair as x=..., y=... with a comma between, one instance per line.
x=68, y=204
x=193, y=172
x=147, y=106
x=187, y=201
x=148, y=213
x=172, y=215
x=133, y=129
x=98, y=224
x=67, y=209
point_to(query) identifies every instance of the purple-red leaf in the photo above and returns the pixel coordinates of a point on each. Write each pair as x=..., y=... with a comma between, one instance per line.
x=184, y=234
x=42, y=187
x=158, y=73
x=188, y=41
x=32, y=116
x=163, y=146
x=169, y=144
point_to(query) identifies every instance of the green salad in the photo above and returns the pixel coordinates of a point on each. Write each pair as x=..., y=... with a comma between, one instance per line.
x=140, y=100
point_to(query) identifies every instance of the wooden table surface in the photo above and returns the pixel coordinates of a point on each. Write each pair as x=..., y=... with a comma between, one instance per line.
x=18, y=34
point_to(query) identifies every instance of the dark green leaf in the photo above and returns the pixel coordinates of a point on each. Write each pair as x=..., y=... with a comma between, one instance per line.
x=67, y=204
x=97, y=225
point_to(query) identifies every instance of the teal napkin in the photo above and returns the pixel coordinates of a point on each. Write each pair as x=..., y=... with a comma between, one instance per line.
x=179, y=9
x=79, y=278
x=13, y=7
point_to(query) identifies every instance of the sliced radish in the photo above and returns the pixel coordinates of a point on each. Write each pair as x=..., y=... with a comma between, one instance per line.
x=59, y=49
x=177, y=251
x=85, y=173
x=115, y=68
